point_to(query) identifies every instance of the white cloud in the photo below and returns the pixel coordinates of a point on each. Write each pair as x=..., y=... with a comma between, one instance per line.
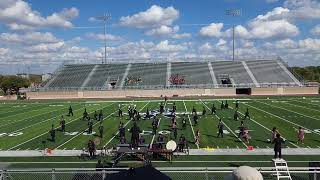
x=221, y=42
x=18, y=15
x=162, y=30
x=315, y=30
x=164, y=46
x=102, y=37
x=28, y=38
x=155, y=16
x=181, y=36
x=271, y=29
x=213, y=30
x=52, y=47
x=3, y=51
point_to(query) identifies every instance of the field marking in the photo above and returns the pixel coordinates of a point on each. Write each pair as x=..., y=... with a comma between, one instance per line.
x=194, y=135
x=47, y=132
x=158, y=125
x=42, y=121
x=289, y=110
x=124, y=126
x=13, y=122
x=226, y=126
x=284, y=119
x=24, y=110
x=306, y=102
x=265, y=127
x=303, y=107
x=83, y=131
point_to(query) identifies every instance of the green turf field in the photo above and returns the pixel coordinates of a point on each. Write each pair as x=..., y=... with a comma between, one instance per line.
x=25, y=125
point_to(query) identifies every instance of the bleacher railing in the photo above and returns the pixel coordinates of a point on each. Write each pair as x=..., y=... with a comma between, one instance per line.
x=157, y=87
x=203, y=173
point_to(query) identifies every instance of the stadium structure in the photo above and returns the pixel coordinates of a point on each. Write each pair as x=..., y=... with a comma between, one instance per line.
x=192, y=78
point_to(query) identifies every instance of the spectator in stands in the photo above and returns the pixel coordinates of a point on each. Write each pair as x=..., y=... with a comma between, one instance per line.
x=278, y=141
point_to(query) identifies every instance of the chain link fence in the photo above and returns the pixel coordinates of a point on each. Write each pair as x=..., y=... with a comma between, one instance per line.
x=91, y=174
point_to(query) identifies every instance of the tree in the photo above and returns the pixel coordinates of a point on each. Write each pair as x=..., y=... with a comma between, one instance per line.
x=11, y=84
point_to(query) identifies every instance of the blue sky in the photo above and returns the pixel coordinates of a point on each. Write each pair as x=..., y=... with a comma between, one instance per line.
x=38, y=36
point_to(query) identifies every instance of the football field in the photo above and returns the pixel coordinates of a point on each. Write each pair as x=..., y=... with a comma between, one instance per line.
x=25, y=125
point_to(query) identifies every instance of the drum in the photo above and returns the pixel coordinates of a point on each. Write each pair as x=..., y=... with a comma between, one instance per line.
x=171, y=145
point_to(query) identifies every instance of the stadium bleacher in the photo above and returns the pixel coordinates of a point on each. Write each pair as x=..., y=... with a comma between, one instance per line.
x=193, y=74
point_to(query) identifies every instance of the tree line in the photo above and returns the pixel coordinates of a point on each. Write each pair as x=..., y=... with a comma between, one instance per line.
x=310, y=73
x=10, y=84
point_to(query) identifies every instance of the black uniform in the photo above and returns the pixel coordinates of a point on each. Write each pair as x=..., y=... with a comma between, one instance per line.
x=148, y=114
x=278, y=141
x=154, y=126
x=184, y=123
x=213, y=109
x=220, y=129
x=194, y=111
x=235, y=116
x=195, y=119
x=101, y=131
x=90, y=124
x=174, y=107
x=247, y=115
x=100, y=116
x=204, y=111
x=70, y=111
x=226, y=105
x=120, y=112
x=161, y=108
x=135, y=131
x=241, y=130
x=95, y=115
x=237, y=104
x=85, y=114
x=222, y=105
x=63, y=124
x=53, y=134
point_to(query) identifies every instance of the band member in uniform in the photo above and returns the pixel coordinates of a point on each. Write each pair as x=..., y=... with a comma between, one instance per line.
x=63, y=124
x=95, y=116
x=247, y=115
x=237, y=104
x=122, y=132
x=213, y=109
x=138, y=116
x=277, y=146
x=194, y=111
x=197, y=137
x=174, y=107
x=222, y=105
x=300, y=135
x=235, y=115
x=274, y=133
x=220, y=128
x=147, y=114
x=204, y=111
x=90, y=125
x=154, y=125
x=100, y=116
x=53, y=134
x=182, y=143
x=91, y=148
x=241, y=129
x=195, y=119
x=226, y=105
x=135, y=131
x=70, y=111
x=101, y=130
x=120, y=112
x=160, y=141
x=85, y=114
x=175, y=130
x=161, y=108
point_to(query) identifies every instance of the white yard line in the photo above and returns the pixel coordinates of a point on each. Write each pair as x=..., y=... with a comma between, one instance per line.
x=42, y=121
x=302, y=107
x=289, y=110
x=124, y=126
x=194, y=135
x=304, y=102
x=47, y=132
x=226, y=125
x=265, y=127
x=284, y=119
x=12, y=122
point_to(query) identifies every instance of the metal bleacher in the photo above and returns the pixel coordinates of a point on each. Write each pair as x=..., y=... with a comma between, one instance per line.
x=269, y=72
x=235, y=70
x=193, y=72
x=157, y=75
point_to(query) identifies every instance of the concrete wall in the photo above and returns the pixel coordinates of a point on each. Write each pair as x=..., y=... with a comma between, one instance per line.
x=11, y=97
x=169, y=92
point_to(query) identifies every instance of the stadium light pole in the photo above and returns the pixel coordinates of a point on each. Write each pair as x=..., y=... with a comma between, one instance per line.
x=105, y=18
x=233, y=13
